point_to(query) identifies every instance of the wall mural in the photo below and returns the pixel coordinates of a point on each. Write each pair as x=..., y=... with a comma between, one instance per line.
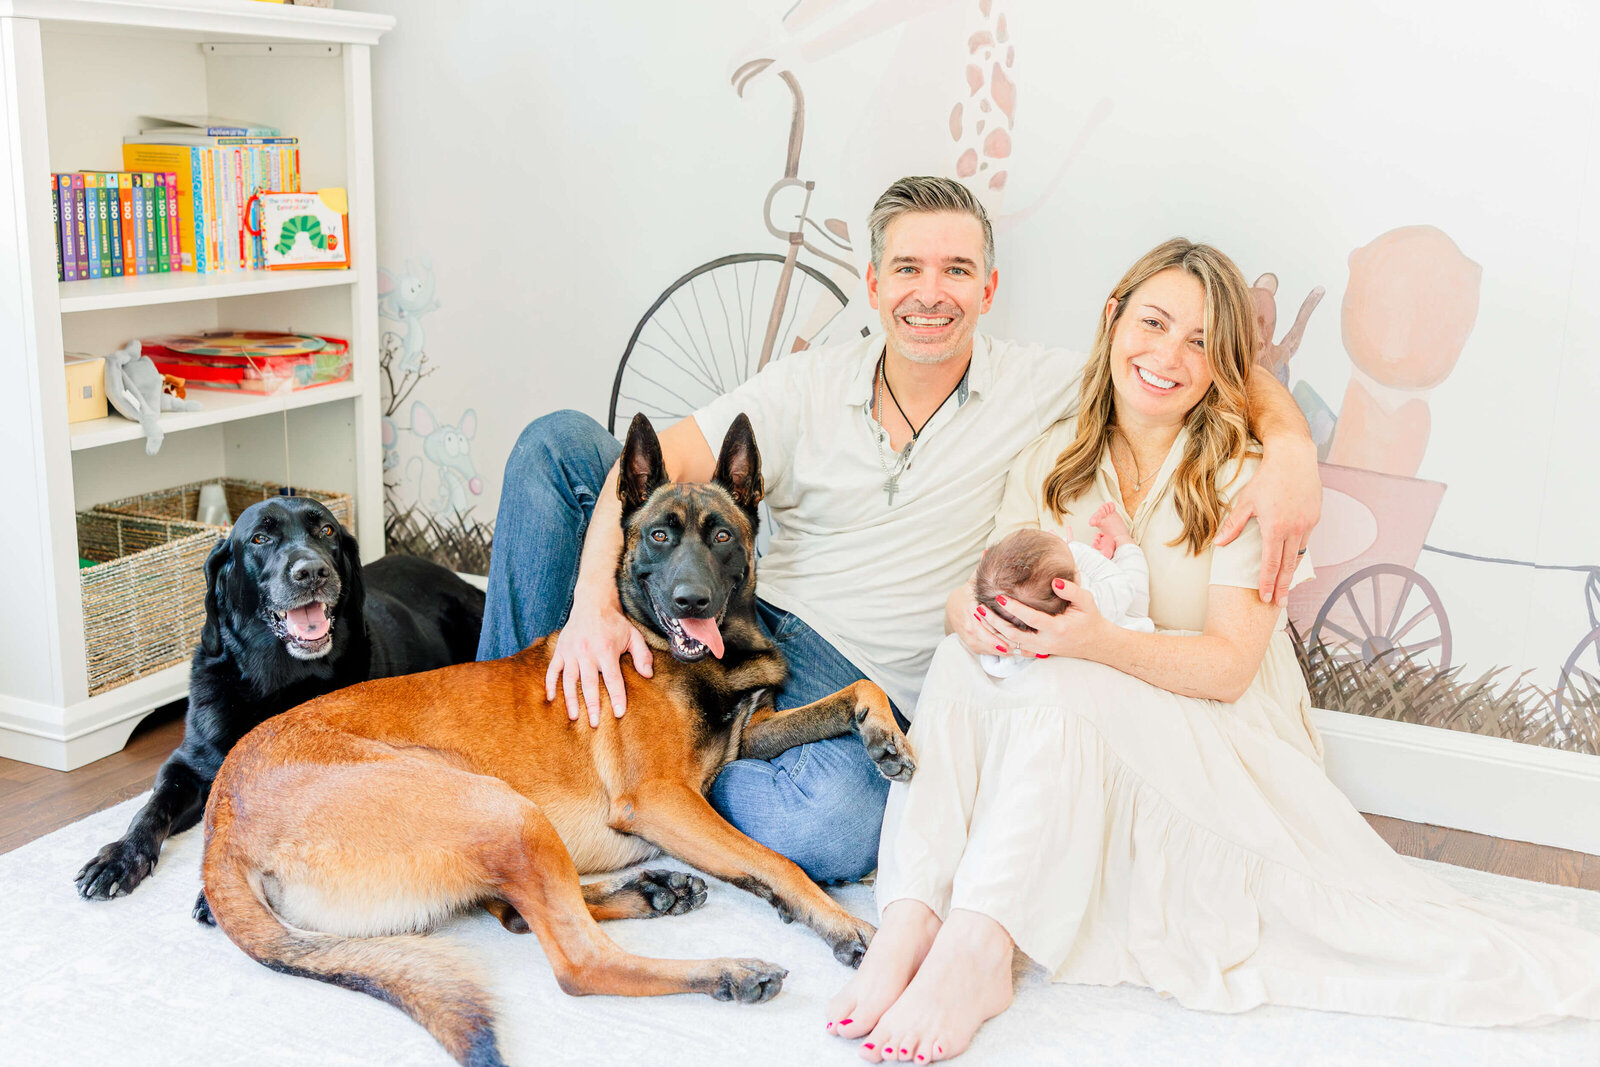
x=841, y=96
x=429, y=503
x=726, y=319
x=1374, y=634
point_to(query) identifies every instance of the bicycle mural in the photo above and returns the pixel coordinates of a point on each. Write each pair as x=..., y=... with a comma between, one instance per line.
x=724, y=320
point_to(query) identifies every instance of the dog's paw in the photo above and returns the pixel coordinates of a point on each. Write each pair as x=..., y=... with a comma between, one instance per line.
x=116, y=869
x=887, y=747
x=850, y=944
x=670, y=892
x=748, y=981
x=202, y=910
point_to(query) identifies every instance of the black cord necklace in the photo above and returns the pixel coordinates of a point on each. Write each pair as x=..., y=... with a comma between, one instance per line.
x=916, y=431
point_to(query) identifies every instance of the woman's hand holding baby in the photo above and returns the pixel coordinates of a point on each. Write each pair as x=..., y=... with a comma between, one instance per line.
x=970, y=621
x=1079, y=631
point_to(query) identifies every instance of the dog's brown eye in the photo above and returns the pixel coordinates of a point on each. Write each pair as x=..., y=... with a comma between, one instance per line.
x=327, y=530
x=659, y=535
x=723, y=535
x=259, y=539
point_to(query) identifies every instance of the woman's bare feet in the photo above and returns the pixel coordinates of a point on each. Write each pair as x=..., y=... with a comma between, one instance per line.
x=896, y=952
x=964, y=981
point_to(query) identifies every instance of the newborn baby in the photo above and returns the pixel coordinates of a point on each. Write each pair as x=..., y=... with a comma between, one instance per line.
x=1024, y=563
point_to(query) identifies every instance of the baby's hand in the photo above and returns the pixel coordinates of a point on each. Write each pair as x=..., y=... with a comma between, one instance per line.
x=1104, y=545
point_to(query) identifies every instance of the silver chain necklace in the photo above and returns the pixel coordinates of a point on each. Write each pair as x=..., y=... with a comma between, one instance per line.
x=902, y=459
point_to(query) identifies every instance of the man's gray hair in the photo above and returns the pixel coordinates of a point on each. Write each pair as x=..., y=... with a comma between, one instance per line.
x=930, y=194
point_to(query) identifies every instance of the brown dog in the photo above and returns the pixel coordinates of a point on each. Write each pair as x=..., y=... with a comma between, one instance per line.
x=338, y=830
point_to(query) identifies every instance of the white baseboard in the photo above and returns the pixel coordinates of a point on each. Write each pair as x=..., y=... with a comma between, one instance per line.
x=66, y=739
x=1464, y=781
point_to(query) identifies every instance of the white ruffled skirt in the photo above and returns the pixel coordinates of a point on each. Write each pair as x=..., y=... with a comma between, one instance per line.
x=1122, y=833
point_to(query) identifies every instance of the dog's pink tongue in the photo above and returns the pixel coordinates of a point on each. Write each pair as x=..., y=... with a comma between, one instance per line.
x=308, y=623
x=705, y=631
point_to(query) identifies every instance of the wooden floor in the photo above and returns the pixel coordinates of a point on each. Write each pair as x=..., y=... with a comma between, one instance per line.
x=34, y=801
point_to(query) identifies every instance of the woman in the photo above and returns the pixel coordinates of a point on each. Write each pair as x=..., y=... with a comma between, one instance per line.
x=1151, y=808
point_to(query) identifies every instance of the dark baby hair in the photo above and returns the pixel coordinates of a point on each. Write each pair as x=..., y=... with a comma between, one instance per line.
x=1022, y=566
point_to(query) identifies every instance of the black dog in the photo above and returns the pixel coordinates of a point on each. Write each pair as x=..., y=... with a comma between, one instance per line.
x=290, y=615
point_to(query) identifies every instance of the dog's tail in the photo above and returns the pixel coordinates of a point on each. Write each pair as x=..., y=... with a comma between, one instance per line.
x=421, y=979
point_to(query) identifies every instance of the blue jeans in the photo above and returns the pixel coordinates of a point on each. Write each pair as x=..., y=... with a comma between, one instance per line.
x=820, y=804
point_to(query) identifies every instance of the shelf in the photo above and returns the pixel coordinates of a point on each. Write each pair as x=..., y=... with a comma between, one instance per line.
x=141, y=290
x=207, y=19
x=219, y=407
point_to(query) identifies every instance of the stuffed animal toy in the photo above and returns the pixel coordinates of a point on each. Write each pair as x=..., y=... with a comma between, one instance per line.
x=133, y=385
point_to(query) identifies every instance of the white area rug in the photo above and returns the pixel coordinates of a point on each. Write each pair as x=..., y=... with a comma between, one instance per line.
x=135, y=981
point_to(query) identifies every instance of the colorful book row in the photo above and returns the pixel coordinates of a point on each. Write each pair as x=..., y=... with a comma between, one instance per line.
x=110, y=224
x=215, y=184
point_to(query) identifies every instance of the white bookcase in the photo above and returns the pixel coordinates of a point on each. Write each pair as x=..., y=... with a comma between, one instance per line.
x=77, y=75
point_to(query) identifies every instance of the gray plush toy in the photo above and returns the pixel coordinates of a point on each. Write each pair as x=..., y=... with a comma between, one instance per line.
x=133, y=385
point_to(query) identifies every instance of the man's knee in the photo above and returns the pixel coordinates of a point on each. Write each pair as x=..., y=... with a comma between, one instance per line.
x=823, y=809
x=562, y=440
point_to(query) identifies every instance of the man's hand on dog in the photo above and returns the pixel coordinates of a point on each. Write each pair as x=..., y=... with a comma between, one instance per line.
x=588, y=649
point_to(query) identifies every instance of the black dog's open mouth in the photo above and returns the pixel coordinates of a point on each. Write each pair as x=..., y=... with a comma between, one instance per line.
x=305, y=630
x=691, y=639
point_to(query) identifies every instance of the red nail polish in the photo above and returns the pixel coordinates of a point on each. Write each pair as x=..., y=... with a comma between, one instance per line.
x=982, y=610
x=846, y=1022
x=939, y=1049
x=920, y=1057
x=1041, y=655
x=1059, y=584
x=1000, y=600
x=1000, y=648
x=868, y=1044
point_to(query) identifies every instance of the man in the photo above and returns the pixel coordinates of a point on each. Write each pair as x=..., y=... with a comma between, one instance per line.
x=885, y=459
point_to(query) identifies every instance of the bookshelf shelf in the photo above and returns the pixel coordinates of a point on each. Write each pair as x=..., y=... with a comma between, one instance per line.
x=100, y=294
x=305, y=70
x=220, y=407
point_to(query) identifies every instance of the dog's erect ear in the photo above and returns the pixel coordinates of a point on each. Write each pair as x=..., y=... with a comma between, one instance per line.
x=211, y=631
x=643, y=470
x=739, y=467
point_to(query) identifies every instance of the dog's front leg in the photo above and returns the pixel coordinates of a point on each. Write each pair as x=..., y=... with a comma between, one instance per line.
x=681, y=822
x=862, y=708
x=176, y=804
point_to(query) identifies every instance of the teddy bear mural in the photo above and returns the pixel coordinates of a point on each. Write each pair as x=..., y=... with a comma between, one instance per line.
x=1408, y=310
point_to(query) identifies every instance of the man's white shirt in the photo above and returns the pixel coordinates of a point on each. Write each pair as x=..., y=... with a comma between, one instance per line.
x=872, y=577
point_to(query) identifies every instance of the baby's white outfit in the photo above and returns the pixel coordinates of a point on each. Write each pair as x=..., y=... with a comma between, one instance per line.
x=1121, y=590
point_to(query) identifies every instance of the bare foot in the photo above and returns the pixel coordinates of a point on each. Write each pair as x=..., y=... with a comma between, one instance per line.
x=965, y=981
x=896, y=952
x=1111, y=527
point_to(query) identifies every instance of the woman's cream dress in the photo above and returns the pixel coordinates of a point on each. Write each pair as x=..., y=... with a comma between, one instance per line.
x=1122, y=833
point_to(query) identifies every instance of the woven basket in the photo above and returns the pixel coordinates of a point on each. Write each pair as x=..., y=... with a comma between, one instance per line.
x=144, y=599
x=183, y=501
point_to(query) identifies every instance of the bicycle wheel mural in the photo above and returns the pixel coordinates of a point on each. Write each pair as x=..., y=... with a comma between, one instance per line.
x=705, y=334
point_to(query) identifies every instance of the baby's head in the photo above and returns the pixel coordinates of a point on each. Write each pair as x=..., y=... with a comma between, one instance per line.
x=1022, y=566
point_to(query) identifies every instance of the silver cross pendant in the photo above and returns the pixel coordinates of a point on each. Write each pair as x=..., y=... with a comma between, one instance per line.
x=891, y=486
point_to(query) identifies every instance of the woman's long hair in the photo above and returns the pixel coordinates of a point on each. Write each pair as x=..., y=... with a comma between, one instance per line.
x=1218, y=424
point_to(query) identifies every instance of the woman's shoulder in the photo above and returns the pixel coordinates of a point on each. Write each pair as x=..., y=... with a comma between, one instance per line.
x=1050, y=444
x=1235, y=474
